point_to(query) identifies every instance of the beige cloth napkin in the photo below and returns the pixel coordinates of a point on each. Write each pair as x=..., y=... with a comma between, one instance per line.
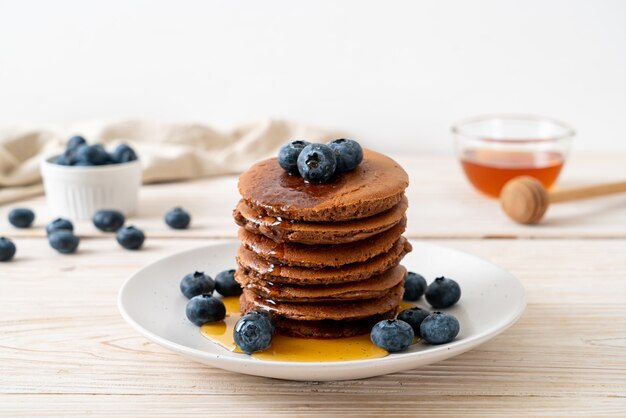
x=168, y=152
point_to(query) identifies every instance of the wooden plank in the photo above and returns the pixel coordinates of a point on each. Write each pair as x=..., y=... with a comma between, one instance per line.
x=442, y=205
x=65, y=351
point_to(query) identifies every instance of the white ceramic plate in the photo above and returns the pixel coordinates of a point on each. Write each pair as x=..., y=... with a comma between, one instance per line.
x=492, y=300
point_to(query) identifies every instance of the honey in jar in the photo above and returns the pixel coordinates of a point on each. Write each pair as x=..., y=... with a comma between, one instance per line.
x=489, y=170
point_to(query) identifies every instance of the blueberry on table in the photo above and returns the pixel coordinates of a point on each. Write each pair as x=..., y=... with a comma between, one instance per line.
x=348, y=152
x=177, y=218
x=392, y=335
x=317, y=163
x=443, y=293
x=196, y=283
x=203, y=309
x=123, y=154
x=130, y=237
x=226, y=285
x=63, y=241
x=87, y=155
x=7, y=249
x=414, y=286
x=21, y=217
x=108, y=220
x=253, y=332
x=75, y=142
x=59, y=224
x=439, y=328
x=288, y=155
x=414, y=317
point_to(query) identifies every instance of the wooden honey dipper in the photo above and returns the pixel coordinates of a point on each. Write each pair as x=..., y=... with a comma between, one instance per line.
x=525, y=200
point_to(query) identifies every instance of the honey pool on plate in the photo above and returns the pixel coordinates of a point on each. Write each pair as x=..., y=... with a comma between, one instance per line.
x=490, y=170
x=285, y=348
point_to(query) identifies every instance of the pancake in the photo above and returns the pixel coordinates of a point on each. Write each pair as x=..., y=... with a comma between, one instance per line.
x=327, y=328
x=304, y=255
x=337, y=311
x=283, y=230
x=374, y=287
x=376, y=185
x=252, y=264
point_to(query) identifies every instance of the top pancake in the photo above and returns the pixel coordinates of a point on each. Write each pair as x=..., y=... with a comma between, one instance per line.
x=376, y=185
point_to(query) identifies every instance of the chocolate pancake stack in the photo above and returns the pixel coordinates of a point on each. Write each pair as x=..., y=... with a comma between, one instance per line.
x=324, y=259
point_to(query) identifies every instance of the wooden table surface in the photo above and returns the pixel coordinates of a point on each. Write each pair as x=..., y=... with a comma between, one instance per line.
x=65, y=350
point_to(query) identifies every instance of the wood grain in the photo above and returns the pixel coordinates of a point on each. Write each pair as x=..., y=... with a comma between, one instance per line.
x=65, y=350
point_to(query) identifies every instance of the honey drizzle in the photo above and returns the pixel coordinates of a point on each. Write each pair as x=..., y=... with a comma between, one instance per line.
x=285, y=348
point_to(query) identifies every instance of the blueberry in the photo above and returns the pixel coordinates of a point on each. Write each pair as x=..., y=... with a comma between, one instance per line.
x=92, y=155
x=130, y=237
x=195, y=284
x=443, y=293
x=21, y=217
x=348, y=152
x=393, y=335
x=108, y=220
x=266, y=315
x=63, y=241
x=205, y=308
x=226, y=285
x=123, y=154
x=82, y=164
x=75, y=142
x=177, y=218
x=317, y=163
x=414, y=317
x=288, y=155
x=414, y=286
x=59, y=224
x=64, y=159
x=253, y=332
x=439, y=328
x=7, y=249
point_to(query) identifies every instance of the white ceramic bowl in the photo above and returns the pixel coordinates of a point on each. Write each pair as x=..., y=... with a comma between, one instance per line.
x=78, y=192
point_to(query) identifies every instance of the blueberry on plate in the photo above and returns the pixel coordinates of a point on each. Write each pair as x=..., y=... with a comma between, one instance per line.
x=108, y=220
x=59, y=224
x=288, y=155
x=63, y=241
x=253, y=332
x=130, y=237
x=414, y=317
x=75, y=142
x=414, y=286
x=177, y=218
x=348, y=152
x=443, y=293
x=226, y=285
x=196, y=283
x=21, y=217
x=203, y=309
x=87, y=155
x=392, y=335
x=7, y=249
x=266, y=315
x=123, y=154
x=439, y=328
x=317, y=163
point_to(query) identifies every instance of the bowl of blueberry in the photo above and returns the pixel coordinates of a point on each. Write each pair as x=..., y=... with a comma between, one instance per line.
x=88, y=177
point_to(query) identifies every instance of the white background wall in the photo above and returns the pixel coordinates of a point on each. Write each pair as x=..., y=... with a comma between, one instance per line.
x=392, y=72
